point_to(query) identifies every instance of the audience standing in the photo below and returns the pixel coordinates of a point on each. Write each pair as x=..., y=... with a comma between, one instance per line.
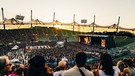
x=129, y=70
x=62, y=68
x=106, y=67
x=79, y=69
x=121, y=66
x=37, y=67
x=5, y=65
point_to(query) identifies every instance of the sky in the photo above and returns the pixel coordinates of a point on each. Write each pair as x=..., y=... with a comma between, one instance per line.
x=106, y=11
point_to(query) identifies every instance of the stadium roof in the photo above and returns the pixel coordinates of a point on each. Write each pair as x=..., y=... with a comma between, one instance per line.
x=13, y=21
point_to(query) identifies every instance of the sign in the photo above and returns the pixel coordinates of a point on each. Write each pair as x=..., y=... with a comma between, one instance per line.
x=19, y=17
x=83, y=21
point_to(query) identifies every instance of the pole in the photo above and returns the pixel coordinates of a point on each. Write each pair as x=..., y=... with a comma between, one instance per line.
x=3, y=18
x=93, y=25
x=31, y=19
x=73, y=22
x=117, y=25
x=53, y=18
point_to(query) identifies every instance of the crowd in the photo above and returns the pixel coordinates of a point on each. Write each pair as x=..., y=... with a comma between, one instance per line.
x=63, y=61
x=53, y=54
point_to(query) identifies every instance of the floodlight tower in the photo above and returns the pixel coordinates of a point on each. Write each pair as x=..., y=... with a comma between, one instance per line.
x=73, y=22
x=93, y=25
x=3, y=18
x=117, y=27
x=31, y=19
x=53, y=18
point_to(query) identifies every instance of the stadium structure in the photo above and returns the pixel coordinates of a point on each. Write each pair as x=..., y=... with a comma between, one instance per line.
x=17, y=23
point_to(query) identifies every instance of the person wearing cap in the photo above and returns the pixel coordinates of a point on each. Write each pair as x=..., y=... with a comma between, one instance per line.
x=5, y=65
x=79, y=69
x=62, y=67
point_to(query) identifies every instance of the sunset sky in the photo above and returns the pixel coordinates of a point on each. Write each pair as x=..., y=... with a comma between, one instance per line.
x=106, y=11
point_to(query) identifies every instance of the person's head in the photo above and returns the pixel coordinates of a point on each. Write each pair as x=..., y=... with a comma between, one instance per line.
x=106, y=60
x=120, y=65
x=129, y=63
x=132, y=58
x=81, y=58
x=37, y=66
x=62, y=65
x=5, y=64
x=106, y=64
x=37, y=61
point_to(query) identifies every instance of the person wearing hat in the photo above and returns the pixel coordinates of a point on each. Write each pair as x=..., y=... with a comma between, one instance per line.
x=79, y=69
x=5, y=65
x=37, y=67
x=62, y=67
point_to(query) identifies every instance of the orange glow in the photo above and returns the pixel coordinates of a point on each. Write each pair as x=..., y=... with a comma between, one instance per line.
x=58, y=26
x=86, y=40
x=103, y=42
